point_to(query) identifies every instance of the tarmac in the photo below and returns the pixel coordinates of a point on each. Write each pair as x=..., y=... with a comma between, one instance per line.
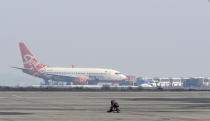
x=92, y=106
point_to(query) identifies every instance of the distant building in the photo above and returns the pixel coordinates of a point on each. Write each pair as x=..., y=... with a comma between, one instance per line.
x=141, y=80
x=131, y=78
x=194, y=82
x=207, y=82
x=164, y=82
x=169, y=82
x=150, y=82
x=176, y=82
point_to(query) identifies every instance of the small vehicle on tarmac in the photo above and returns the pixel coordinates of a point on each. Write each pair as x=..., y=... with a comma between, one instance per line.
x=114, y=107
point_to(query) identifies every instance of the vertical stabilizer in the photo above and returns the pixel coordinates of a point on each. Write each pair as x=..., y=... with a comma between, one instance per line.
x=29, y=61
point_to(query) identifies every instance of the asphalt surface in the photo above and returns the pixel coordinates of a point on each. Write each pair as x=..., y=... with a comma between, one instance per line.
x=92, y=106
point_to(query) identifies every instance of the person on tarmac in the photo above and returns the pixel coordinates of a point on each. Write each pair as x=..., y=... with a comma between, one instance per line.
x=114, y=106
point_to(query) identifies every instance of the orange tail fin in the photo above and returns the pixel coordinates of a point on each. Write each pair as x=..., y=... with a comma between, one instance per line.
x=29, y=61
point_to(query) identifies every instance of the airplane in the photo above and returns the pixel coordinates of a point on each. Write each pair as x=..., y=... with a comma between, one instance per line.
x=70, y=75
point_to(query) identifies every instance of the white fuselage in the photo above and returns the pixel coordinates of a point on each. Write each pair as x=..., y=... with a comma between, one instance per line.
x=89, y=73
x=76, y=75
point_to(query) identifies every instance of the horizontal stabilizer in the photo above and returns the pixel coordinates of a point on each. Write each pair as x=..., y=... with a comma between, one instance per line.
x=20, y=68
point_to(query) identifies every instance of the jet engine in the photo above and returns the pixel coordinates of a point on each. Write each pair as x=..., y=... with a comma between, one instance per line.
x=80, y=80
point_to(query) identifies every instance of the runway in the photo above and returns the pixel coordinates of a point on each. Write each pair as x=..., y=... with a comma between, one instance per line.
x=92, y=106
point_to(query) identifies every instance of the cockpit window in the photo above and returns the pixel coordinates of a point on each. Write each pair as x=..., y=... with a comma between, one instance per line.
x=117, y=73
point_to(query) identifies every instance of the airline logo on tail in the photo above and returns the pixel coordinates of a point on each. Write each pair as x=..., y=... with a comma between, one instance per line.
x=29, y=61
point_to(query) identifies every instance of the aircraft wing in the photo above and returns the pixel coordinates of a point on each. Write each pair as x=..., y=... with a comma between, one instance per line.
x=64, y=78
x=54, y=77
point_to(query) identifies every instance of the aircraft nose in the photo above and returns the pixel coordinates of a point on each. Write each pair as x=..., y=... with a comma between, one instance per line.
x=123, y=77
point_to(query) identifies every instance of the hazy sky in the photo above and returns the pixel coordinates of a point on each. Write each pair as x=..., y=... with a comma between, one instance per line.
x=165, y=38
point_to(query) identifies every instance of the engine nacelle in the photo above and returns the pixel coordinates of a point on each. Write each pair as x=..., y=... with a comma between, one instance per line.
x=80, y=80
